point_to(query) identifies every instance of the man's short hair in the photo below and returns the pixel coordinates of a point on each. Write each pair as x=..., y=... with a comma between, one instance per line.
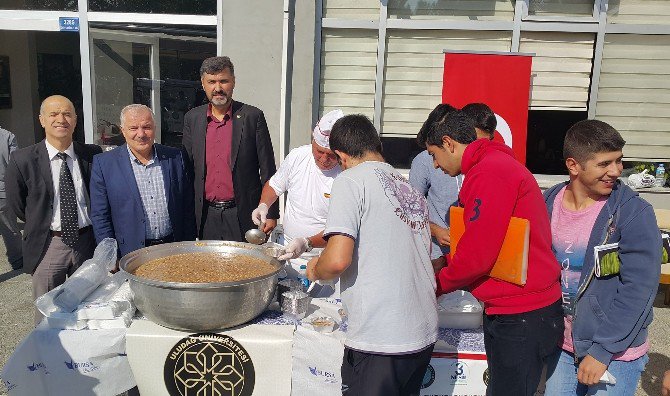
x=483, y=116
x=355, y=135
x=440, y=111
x=456, y=124
x=216, y=65
x=589, y=137
x=134, y=108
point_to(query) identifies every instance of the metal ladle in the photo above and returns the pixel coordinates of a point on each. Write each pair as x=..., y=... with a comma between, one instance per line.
x=256, y=235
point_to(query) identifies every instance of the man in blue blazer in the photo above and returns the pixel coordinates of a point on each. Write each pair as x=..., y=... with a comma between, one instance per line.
x=141, y=194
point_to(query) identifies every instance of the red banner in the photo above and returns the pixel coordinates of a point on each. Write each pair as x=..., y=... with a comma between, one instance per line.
x=502, y=81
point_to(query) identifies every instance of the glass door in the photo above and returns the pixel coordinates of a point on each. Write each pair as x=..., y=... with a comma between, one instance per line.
x=125, y=70
x=149, y=64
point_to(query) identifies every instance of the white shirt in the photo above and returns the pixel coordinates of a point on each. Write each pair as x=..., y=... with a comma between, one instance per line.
x=73, y=164
x=308, y=195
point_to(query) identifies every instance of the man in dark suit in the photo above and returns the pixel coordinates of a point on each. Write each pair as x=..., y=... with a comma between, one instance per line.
x=47, y=188
x=140, y=192
x=229, y=148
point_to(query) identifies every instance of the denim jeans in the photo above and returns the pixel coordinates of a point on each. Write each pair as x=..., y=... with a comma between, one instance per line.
x=562, y=377
x=518, y=345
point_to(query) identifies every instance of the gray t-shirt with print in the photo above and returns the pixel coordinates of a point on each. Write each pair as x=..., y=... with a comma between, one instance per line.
x=388, y=291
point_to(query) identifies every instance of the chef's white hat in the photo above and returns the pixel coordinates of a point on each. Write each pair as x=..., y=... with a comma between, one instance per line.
x=322, y=129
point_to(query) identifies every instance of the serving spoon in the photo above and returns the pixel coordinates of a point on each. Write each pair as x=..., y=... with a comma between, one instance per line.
x=256, y=235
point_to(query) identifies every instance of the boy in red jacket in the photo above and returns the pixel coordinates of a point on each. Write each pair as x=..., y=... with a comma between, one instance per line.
x=522, y=324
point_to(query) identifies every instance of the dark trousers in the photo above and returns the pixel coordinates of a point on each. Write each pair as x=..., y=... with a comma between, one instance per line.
x=517, y=347
x=59, y=262
x=220, y=224
x=368, y=374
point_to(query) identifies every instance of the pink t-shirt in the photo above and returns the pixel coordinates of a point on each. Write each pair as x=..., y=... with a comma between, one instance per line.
x=571, y=231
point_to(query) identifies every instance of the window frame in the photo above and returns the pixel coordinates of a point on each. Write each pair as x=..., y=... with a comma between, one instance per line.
x=596, y=23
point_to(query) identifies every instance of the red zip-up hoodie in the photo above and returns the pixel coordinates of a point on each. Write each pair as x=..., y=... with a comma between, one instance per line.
x=497, y=187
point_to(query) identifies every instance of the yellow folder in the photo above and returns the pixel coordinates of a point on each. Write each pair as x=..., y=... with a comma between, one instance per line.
x=512, y=262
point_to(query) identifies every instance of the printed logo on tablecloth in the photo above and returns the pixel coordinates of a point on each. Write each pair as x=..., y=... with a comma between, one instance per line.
x=428, y=378
x=459, y=374
x=82, y=367
x=209, y=364
x=327, y=376
x=39, y=366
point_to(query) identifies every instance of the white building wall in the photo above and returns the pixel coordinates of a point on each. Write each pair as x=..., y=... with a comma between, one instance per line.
x=252, y=38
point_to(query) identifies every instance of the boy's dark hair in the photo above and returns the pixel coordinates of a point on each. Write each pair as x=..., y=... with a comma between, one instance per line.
x=355, y=135
x=483, y=116
x=456, y=124
x=588, y=137
x=439, y=112
x=216, y=65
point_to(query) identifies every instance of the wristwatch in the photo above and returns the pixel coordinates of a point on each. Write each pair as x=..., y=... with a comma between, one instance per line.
x=309, y=245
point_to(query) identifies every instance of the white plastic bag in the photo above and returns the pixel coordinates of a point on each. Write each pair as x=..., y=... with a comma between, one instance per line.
x=458, y=301
x=459, y=310
x=115, y=312
x=108, y=287
x=66, y=297
x=641, y=180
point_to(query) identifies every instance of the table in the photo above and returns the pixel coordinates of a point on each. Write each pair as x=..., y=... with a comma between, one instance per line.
x=284, y=359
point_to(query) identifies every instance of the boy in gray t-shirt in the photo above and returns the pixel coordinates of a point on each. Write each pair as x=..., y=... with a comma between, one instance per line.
x=379, y=244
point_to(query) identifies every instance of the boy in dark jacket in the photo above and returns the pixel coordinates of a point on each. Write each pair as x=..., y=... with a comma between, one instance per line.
x=523, y=324
x=607, y=303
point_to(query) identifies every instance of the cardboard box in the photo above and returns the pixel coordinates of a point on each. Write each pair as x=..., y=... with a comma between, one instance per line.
x=247, y=360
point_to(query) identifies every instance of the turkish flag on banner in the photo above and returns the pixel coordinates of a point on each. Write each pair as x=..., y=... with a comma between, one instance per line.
x=502, y=81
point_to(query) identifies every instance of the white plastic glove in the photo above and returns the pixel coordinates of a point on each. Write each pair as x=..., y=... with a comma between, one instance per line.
x=294, y=249
x=260, y=214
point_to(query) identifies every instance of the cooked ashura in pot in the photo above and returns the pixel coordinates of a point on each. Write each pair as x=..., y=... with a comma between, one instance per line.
x=204, y=268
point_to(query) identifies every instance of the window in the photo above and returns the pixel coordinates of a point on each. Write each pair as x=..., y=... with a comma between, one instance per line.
x=42, y=5
x=122, y=77
x=414, y=70
x=400, y=152
x=634, y=93
x=190, y=7
x=638, y=11
x=181, y=89
x=483, y=10
x=560, y=8
x=561, y=72
x=154, y=65
x=351, y=9
x=348, y=68
x=544, y=145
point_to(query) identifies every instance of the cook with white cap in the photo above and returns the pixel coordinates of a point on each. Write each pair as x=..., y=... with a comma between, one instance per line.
x=306, y=175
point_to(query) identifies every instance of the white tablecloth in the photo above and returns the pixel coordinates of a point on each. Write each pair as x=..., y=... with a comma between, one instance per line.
x=458, y=366
x=89, y=362
x=69, y=362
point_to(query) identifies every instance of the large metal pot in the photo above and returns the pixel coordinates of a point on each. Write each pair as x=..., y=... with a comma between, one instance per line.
x=200, y=306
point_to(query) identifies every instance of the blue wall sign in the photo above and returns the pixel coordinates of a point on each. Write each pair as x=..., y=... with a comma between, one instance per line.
x=68, y=24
